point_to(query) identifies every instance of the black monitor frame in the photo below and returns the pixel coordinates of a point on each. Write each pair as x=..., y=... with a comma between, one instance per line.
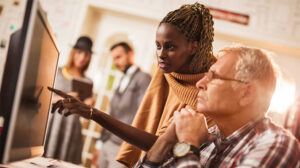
x=13, y=77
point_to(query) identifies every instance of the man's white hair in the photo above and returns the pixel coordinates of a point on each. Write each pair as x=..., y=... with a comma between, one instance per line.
x=254, y=64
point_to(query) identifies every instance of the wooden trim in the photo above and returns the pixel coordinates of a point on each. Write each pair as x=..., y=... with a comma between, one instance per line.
x=274, y=47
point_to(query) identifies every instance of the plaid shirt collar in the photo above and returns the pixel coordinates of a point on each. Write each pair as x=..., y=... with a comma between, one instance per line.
x=222, y=143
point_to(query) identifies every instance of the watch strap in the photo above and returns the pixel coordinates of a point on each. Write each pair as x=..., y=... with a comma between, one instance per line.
x=192, y=150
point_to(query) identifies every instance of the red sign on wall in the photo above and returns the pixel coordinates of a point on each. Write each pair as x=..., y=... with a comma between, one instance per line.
x=229, y=16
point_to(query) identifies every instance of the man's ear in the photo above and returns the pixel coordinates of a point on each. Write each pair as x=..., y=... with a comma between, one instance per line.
x=131, y=56
x=130, y=53
x=248, y=94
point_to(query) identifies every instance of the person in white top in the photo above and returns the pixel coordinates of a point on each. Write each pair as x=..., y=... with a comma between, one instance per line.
x=124, y=104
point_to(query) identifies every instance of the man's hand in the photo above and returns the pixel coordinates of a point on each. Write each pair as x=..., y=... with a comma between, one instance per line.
x=191, y=127
x=163, y=145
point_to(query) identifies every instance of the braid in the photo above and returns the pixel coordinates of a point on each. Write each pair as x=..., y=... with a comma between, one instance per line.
x=196, y=24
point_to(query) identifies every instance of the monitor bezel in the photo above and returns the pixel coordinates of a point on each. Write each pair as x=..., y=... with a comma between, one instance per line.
x=33, y=10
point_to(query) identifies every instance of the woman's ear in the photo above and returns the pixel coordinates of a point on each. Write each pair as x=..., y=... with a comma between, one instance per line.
x=194, y=47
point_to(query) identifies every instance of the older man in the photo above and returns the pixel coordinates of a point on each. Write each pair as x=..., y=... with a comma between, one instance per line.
x=236, y=94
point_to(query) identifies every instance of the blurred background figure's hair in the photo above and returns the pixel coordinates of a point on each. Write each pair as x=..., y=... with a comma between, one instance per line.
x=126, y=46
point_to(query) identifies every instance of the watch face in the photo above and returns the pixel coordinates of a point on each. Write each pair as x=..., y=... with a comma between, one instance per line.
x=181, y=149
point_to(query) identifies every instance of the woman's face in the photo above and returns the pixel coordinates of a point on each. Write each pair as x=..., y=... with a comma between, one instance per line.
x=81, y=58
x=174, y=52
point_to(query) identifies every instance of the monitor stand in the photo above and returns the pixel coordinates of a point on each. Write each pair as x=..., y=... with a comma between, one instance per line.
x=40, y=162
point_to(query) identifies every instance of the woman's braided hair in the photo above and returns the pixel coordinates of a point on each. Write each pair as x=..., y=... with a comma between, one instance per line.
x=195, y=22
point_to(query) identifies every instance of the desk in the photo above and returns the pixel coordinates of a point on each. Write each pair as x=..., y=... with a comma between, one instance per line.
x=40, y=162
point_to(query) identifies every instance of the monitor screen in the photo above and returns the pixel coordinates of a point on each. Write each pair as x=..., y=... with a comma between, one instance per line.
x=26, y=120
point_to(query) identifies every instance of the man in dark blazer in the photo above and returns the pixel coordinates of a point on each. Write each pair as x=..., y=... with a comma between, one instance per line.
x=124, y=104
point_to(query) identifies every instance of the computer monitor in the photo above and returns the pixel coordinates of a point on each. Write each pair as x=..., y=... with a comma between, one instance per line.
x=24, y=99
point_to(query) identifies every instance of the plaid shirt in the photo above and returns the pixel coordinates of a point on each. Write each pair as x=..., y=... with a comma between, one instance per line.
x=257, y=144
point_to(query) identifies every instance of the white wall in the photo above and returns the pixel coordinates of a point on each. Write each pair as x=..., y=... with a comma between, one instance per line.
x=11, y=19
x=141, y=33
x=274, y=21
x=65, y=18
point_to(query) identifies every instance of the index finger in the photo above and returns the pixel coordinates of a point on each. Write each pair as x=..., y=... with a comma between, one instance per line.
x=59, y=92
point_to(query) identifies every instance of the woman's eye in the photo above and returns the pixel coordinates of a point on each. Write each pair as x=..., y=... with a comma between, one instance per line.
x=157, y=46
x=171, y=47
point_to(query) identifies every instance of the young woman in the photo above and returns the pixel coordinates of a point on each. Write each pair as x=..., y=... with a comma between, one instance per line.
x=184, y=52
x=62, y=131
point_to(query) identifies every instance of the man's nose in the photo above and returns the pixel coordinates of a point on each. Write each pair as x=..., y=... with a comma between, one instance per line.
x=201, y=84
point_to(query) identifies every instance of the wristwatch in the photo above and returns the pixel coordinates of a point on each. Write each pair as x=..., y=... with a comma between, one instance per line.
x=183, y=148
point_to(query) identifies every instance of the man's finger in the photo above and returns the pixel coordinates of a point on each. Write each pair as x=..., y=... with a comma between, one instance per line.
x=59, y=92
x=191, y=111
x=184, y=111
x=199, y=115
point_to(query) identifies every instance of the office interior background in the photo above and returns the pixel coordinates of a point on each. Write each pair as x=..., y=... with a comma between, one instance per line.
x=270, y=24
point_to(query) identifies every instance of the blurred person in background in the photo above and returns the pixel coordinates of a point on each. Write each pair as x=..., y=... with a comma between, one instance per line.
x=124, y=104
x=64, y=139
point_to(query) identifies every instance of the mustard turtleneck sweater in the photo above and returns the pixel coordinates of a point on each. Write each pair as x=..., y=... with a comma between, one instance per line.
x=166, y=94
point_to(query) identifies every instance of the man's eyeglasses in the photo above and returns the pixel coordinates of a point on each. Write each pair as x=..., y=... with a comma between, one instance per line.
x=210, y=75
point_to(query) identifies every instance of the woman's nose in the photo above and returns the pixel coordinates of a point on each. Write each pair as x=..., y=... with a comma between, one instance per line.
x=161, y=53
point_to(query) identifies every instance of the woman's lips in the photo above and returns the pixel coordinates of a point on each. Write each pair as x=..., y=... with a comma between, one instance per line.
x=163, y=65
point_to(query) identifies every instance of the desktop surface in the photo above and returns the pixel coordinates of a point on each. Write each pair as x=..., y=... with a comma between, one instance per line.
x=40, y=162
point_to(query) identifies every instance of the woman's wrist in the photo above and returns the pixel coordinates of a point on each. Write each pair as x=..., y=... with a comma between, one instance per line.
x=160, y=150
x=151, y=163
x=91, y=113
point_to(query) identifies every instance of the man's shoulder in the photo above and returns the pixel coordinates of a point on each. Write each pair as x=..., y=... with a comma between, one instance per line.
x=139, y=71
x=141, y=75
x=272, y=146
x=270, y=133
